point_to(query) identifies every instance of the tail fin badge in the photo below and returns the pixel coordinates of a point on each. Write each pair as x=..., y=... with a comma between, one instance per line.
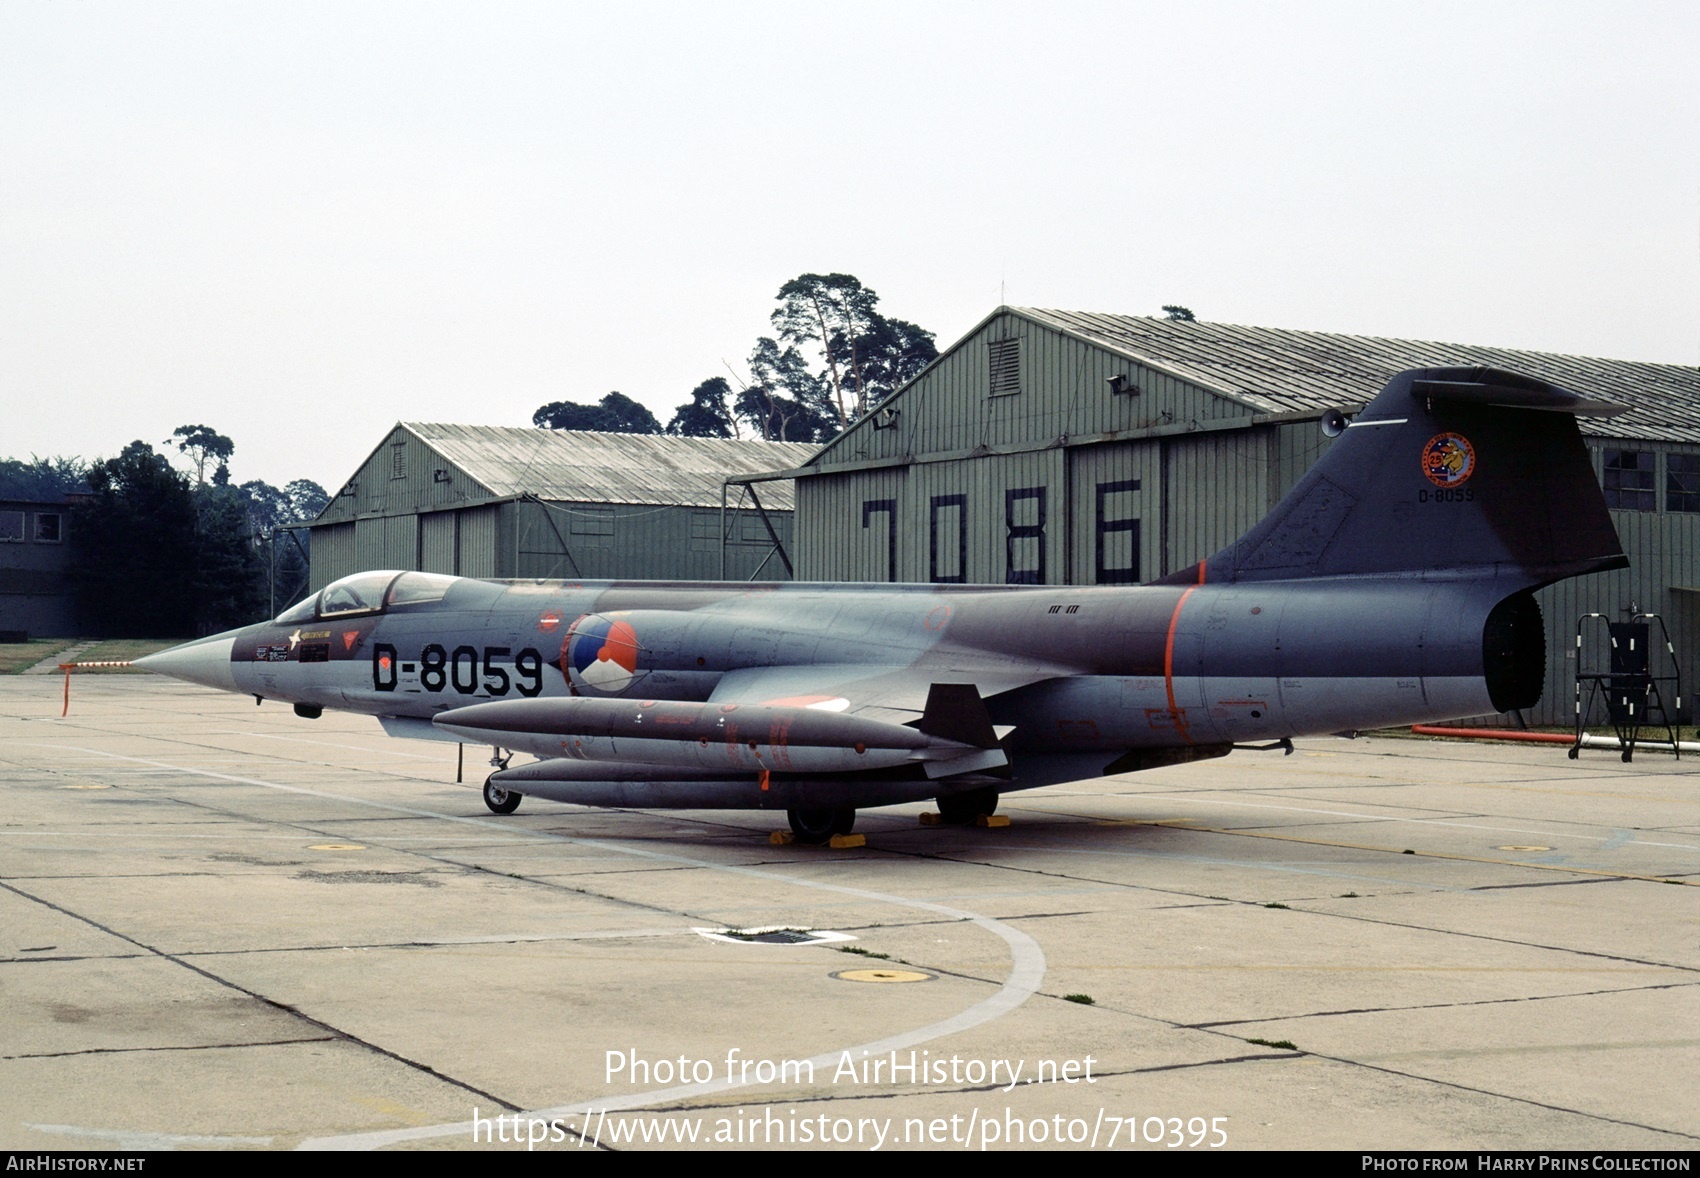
x=1449, y=460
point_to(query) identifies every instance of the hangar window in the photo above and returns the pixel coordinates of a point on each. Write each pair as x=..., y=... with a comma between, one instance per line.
x=1005, y=357
x=592, y=521
x=398, y=460
x=1117, y=561
x=948, y=555
x=705, y=529
x=1024, y=536
x=47, y=527
x=1682, y=482
x=1629, y=480
x=11, y=527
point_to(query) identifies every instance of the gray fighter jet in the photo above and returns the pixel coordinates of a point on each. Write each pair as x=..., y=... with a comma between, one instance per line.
x=1393, y=585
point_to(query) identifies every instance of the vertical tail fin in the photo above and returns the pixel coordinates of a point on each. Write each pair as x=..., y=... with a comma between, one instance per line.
x=1447, y=470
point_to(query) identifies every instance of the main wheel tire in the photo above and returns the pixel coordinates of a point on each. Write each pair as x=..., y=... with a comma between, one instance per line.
x=967, y=807
x=501, y=801
x=817, y=826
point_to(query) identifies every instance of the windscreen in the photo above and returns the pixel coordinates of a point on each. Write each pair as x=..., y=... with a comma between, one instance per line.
x=363, y=593
x=417, y=588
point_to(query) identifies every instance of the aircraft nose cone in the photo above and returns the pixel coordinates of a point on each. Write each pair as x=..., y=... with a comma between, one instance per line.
x=206, y=661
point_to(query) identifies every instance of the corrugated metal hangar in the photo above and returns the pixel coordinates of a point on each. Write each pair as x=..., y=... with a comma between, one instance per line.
x=494, y=501
x=1051, y=447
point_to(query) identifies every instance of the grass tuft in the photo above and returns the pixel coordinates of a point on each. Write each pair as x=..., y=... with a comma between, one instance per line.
x=15, y=656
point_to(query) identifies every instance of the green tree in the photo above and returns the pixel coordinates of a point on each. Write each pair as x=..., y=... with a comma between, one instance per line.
x=280, y=544
x=306, y=499
x=230, y=580
x=830, y=313
x=156, y=558
x=1178, y=313
x=893, y=353
x=616, y=414
x=863, y=356
x=204, y=445
x=267, y=508
x=42, y=480
x=784, y=401
x=134, y=564
x=708, y=414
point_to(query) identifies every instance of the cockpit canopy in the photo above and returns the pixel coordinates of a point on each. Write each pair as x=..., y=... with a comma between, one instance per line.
x=368, y=593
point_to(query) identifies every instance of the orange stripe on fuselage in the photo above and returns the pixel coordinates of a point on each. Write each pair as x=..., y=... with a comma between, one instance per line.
x=1169, y=661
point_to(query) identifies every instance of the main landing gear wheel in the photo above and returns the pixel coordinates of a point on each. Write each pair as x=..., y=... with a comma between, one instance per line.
x=817, y=826
x=969, y=806
x=501, y=801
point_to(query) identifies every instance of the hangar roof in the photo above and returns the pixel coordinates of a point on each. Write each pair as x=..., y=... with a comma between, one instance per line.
x=577, y=466
x=1279, y=371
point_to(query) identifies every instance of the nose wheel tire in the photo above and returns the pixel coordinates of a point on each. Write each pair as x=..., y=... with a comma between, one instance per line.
x=817, y=826
x=501, y=801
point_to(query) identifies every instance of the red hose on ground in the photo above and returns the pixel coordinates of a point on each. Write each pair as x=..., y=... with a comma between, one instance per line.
x=1493, y=734
x=69, y=667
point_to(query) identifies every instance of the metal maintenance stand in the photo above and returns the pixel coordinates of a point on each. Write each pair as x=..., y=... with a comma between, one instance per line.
x=1634, y=696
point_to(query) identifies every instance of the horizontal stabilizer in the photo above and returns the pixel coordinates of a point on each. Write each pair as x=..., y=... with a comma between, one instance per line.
x=1507, y=390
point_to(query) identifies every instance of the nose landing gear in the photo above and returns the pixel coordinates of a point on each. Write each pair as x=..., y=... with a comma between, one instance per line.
x=501, y=801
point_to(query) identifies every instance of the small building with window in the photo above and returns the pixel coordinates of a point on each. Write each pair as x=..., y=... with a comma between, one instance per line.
x=504, y=502
x=35, y=593
x=1056, y=447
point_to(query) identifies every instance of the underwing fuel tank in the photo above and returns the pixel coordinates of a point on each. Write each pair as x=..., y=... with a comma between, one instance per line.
x=729, y=738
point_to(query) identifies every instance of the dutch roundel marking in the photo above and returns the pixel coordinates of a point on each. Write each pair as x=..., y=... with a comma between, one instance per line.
x=1448, y=460
x=602, y=654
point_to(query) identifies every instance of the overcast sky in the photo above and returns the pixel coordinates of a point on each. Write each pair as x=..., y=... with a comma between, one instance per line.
x=300, y=223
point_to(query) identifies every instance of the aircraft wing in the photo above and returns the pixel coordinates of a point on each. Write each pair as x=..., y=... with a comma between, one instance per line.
x=836, y=719
x=896, y=694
